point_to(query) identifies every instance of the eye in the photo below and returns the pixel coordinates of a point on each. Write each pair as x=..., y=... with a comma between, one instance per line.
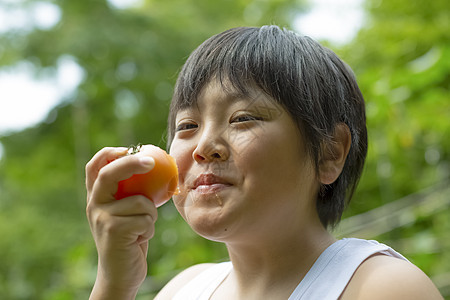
x=185, y=126
x=245, y=118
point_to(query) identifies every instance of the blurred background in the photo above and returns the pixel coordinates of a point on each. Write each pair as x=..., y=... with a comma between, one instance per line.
x=76, y=76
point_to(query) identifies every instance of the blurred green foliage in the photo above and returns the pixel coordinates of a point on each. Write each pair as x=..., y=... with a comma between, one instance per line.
x=401, y=58
x=131, y=57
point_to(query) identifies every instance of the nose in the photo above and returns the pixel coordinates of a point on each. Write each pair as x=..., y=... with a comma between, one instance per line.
x=211, y=147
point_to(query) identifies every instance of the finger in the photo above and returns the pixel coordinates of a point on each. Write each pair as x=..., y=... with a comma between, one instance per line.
x=146, y=230
x=99, y=160
x=132, y=206
x=105, y=186
x=126, y=230
x=144, y=247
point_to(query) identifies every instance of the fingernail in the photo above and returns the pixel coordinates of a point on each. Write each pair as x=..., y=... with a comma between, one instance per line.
x=147, y=161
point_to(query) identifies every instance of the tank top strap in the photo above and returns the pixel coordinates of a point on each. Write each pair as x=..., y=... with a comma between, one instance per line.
x=334, y=268
x=205, y=283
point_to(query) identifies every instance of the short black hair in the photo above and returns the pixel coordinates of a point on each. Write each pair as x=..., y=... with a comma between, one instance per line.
x=310, y=81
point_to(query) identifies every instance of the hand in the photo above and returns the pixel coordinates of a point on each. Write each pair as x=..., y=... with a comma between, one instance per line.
x=121, y=228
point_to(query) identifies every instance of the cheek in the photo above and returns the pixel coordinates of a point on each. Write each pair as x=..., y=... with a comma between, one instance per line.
x=177, y=200
x=263, y=165
x=182, y=153
x=273, y=166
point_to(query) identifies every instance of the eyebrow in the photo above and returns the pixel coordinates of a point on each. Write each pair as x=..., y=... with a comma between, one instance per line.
x=250, y=95
x=231, y=98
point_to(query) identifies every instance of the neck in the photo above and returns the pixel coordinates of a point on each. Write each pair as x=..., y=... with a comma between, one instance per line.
x=276, y=262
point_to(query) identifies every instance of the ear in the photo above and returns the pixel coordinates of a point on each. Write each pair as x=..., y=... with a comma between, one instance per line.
x=334, y=154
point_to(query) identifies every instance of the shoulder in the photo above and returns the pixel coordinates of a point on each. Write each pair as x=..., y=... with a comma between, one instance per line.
x=386, y=277
x=174, y=285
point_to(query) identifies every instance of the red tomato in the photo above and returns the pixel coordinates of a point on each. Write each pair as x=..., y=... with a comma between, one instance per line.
x=159, y=184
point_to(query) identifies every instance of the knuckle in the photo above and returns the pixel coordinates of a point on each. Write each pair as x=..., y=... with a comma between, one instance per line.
x=110, y=228
x=102, y=175
x=136, y=205
x=88, y=168
x=149, y=207
x=105, y=150
x=143, y=221
x=106, y=224
x=141, y=203
x=154, y=214
x=94, y=160
x=99, y=219
x=89, y=209
x=150, y=232
x=146, y=226
x=149, y=220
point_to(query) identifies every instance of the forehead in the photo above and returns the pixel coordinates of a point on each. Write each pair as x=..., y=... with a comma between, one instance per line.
x=217, y=95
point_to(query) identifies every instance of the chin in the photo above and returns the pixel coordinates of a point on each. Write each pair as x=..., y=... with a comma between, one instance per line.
x=210, y=223
x=210, y=215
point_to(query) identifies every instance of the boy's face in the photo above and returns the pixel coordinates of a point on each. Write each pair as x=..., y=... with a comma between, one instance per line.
x=243, y=167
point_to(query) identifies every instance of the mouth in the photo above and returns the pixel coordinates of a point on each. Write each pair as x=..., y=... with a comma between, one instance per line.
x=209, y=183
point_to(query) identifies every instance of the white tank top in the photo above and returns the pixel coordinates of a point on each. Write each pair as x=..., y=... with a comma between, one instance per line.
x=326, y=280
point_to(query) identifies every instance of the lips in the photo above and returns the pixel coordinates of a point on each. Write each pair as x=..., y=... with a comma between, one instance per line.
x=209, y=183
